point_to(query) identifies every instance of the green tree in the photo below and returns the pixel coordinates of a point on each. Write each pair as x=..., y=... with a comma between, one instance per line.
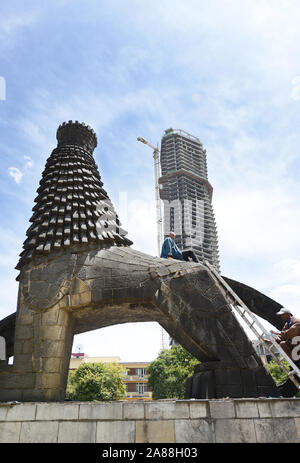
x=96, y=381
x=276, y=372
x=169, y=372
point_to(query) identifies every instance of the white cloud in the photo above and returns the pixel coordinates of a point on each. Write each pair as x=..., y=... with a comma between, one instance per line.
x=29, y=162
x=15, y=173
x=9, y=24
x=196, y=97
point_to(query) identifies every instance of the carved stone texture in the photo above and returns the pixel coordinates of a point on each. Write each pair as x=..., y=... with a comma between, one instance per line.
x=71, y=208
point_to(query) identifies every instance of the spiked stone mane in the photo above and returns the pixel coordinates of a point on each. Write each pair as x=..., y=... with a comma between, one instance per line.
x=72, y=208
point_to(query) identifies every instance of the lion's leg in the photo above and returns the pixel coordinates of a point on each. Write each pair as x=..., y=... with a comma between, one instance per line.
x=42, y=348
x=201, y=320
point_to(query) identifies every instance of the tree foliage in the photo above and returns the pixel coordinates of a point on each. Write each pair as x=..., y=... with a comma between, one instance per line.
x=96, y=381
x=169, y=372
x=276, y=372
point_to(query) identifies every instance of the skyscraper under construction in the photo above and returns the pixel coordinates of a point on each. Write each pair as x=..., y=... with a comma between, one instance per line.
x=187, y=195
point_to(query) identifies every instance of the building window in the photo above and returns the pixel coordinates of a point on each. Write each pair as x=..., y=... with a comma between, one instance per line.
x=141, y=388
x=171, y=218
x=141, y=372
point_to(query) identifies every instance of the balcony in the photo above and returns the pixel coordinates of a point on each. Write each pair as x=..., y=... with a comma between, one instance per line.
x=137, y=396
x=135, y=378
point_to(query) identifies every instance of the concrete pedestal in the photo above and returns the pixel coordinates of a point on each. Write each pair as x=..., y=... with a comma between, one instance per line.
x=193, y=421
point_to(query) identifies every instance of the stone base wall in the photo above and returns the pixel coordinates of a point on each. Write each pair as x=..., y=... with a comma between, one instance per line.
x=182, y=421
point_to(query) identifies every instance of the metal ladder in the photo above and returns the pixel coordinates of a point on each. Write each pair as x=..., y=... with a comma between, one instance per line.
x=254, y=324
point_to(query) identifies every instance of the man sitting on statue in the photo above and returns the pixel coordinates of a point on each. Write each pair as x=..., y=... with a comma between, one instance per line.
x=170, y=249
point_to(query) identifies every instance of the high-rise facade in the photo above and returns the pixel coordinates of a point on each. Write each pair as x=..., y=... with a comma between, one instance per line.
x=187, y=195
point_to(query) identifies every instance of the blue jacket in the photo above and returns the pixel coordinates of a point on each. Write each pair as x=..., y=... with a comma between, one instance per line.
x=169, y=248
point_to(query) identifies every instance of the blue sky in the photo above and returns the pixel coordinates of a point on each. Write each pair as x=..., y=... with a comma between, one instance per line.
x=226, y=71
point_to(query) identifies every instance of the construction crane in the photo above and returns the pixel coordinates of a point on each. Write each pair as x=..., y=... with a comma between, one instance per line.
x=156, y=153
x=157, y=198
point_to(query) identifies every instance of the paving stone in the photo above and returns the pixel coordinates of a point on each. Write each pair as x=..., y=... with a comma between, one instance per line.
x=194, y=431
x=264, y=409
x=3, y=411
x=198, y=409
x=235, y=431
x=77, y=432
x=167, y=410
x=155, y=431
x=39, y=432
x=133, y=411
x=264, y=430
x=276, y=430
x=222, y=409
x=21, y=412
x=115, y=432
x=102, y=411
x=285, y=408
x=57, y=411
x=9, y=432
x=246, y=409
x=297, y=423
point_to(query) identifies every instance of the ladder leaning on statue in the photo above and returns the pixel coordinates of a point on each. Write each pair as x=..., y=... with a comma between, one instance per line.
x=254, y=324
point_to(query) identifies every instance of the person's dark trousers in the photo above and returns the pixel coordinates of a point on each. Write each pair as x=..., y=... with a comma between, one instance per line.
x=187, y=254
